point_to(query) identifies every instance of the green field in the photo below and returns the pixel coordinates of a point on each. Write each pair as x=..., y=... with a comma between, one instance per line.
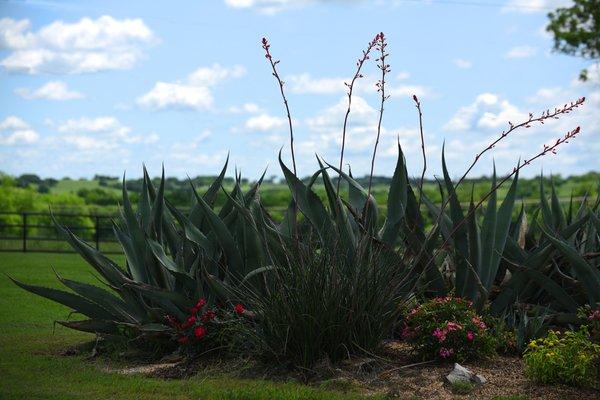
x=32, y=367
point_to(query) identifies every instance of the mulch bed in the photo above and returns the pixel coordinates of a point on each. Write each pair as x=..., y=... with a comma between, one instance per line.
x=391, y=372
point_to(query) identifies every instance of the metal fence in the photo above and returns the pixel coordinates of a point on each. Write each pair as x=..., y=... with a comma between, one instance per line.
x=36, y=232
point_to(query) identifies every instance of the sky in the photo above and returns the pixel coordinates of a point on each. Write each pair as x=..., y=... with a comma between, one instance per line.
x=101, y=87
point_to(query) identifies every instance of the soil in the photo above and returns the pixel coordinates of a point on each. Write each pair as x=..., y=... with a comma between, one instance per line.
x=391, y=372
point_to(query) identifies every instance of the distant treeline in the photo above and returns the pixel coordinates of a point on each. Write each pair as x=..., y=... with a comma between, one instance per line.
x=103, y=193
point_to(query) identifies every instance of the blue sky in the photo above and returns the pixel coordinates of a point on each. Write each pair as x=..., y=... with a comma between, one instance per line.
x=99, y=87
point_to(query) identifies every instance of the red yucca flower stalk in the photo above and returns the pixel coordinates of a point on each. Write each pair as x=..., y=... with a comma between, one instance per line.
x=350, y=86
x=385, y=68
x=418, y=105
x=266, y=46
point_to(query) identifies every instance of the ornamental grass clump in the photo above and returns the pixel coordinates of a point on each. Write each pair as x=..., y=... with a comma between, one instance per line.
x=570, y=358
x=448, y=329
x=322, y=306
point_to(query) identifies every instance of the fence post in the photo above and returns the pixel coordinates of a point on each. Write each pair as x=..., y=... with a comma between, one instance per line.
x=24, y=227
x=97, y=232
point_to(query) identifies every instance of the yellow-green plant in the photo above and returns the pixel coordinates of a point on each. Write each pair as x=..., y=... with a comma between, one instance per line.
x=570, y=358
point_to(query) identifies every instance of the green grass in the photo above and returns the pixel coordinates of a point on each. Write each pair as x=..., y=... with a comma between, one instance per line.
x=31, y=366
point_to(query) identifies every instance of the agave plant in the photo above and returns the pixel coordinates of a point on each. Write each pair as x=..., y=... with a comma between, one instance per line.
x=553, y=260
x=172, y=260
x=475, y=244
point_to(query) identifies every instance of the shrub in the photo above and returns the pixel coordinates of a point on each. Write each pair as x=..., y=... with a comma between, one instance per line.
x=570, y=358
x=447, y=328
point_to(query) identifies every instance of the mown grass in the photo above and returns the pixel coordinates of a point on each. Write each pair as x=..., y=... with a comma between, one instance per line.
x=32, y=367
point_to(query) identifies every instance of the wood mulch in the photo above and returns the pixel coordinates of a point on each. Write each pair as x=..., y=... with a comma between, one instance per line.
x=391, y=372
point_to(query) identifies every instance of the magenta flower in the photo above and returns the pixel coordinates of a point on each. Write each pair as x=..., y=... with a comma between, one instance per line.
x=470, y=336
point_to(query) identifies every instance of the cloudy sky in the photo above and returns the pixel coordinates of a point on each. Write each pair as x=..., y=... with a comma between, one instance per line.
x=103, y=86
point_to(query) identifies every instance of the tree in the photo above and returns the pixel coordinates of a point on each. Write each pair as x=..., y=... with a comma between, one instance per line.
x=576, y=30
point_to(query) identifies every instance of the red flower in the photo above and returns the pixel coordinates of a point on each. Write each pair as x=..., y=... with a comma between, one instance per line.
x=190, y=321
x=239, y=308
x=208, y=316
x=183, y=339
x=470, y=336
x=201, y=303
x=199, y=332
x=195, y=310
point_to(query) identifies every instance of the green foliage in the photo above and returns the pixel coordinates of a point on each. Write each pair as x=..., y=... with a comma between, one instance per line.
x=576, y=30
x=321, y=305
x=461, y=387
x=448, y=328
x=569, y=358
x=549, y=260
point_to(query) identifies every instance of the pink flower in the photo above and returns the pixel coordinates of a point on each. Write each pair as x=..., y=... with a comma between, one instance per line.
x=470, y=336
x=479, y=323
x=446, y=353
x=453, y=326
x=439, y=334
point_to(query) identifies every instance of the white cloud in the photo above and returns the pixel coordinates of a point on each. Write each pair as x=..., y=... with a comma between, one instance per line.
x=250, y=108
x=100, y=133
x=268, y=7
x=462, y=64
x=192, y=93
x=176, y=95
x=306, y=84
x=14, y=131
x=521, y=52
x=265, y=122
x=534, y=6
x=53, y=90
x=488, y=111
x=73, y=48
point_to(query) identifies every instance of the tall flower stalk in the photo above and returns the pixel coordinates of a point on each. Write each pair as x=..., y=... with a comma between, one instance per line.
x=350, y=86
x=385, y=68
x=266, y=46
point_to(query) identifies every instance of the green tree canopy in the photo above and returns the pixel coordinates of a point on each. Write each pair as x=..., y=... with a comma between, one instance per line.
x=576, y=30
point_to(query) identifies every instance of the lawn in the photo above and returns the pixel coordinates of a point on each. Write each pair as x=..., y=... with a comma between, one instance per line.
x=32, y=367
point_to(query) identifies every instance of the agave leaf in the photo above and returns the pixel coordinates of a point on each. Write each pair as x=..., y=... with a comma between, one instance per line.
x=73, y=301
x=226, y=241
x=553, y=289
x=347, y=239
x=397, y=201
x=308, y=202
x=545, y=207
x=114, y=275
x=488, y=238
x=158, y=207
x=136, y=241
x=586, y=274
x=557, y=210
x=92, y=326
x=116, y=306
x=172, y=302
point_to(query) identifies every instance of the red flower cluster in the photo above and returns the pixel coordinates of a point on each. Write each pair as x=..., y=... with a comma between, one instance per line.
x=193, y=327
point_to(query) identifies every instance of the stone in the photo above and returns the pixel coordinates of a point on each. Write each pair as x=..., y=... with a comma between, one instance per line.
x=462, y=374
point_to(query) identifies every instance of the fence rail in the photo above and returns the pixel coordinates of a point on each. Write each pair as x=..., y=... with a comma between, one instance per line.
x=36, y=232
x=31, y=231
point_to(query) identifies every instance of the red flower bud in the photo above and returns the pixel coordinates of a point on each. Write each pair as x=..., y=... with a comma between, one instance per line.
x=199, y=332
x=239, y=308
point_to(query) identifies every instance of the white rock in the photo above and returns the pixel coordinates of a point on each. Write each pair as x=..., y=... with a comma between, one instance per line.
x=462, y=374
